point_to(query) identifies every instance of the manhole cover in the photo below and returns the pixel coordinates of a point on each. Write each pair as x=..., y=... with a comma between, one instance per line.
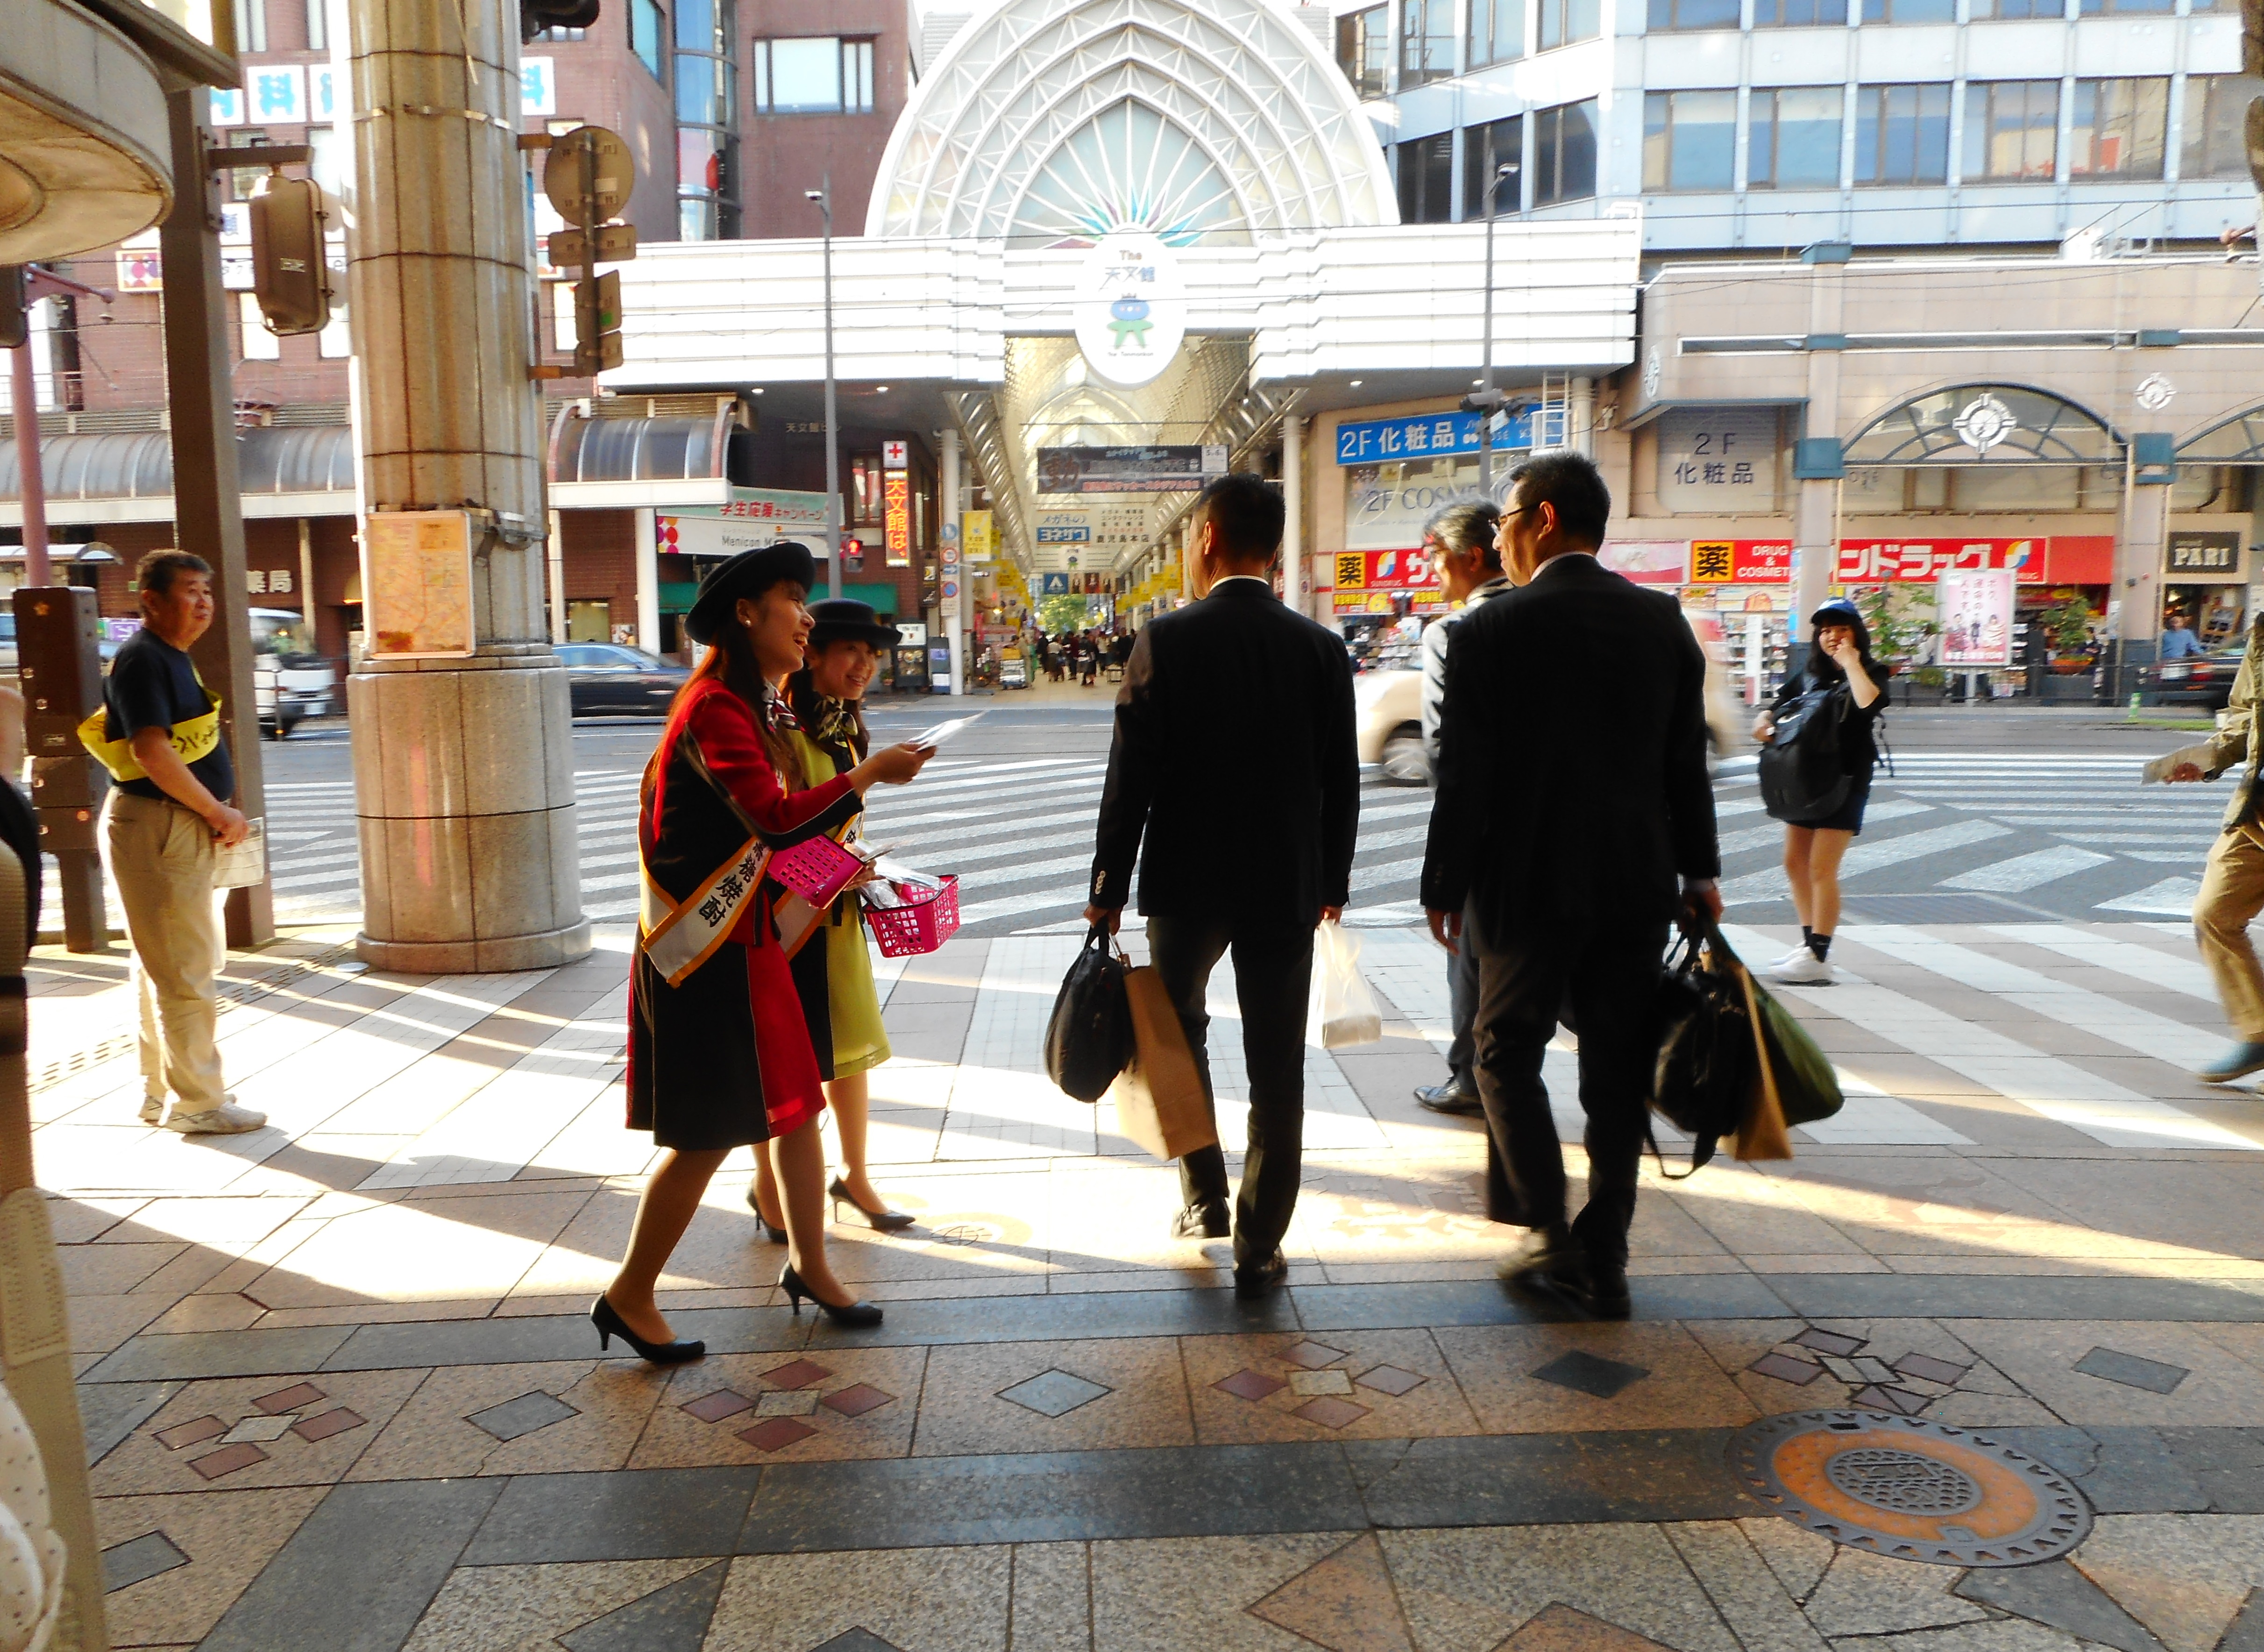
x=966, y=1233
x=1913, y=1489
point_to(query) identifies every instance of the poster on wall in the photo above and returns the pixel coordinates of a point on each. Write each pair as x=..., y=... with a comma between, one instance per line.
x=1975, y=608
x=417, y=577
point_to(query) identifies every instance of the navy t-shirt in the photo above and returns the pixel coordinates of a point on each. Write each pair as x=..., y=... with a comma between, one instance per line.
x=152, y=685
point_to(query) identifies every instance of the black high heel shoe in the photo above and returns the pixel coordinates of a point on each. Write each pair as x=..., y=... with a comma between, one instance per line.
x=856, y=1316
x=776, y=1236
x=610, y=1325
x=885, y=1220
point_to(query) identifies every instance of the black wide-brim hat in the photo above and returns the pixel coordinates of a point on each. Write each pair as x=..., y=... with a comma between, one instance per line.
x=846, y=620
x=749, y=574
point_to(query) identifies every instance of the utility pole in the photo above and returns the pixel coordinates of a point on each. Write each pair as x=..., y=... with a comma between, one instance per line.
x=1488, y=400
x=823, y=196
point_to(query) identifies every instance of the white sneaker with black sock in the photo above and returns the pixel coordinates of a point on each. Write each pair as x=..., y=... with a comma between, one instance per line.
x=1803, y=969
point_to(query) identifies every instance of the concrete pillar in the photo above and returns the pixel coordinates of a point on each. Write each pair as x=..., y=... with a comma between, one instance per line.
x=648, y=580
x=1293, y=525
x=2139, y=581
x=955, y=573
x=1816, y=501
x=207, y=496
x=1581, y=415
x=558, y=544
x=463, y=767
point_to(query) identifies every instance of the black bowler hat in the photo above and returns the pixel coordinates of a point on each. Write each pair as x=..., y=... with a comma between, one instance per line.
x=846, y=620
x=749, y=574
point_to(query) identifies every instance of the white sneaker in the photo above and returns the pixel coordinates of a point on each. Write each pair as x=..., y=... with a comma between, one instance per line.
x=1803, y=969
x=153, y=1109
x=228, y=1118
x=1793, y=956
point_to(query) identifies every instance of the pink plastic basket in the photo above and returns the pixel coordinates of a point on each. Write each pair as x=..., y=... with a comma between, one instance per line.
x=921, y=925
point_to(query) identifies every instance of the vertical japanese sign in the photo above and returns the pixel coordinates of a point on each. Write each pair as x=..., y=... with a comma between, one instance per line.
x=1976, y=608
x=896, y=502
x=978, y=532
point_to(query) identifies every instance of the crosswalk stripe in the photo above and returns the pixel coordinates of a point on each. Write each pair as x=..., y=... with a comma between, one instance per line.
x=2171, y=895
x=1868, y=855
x=2142, y=964
x=2028, y=870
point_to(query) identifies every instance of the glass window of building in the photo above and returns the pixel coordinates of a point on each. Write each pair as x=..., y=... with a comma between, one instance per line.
x=1363, y=50
x=1796, y=14
x=1565, y=21
x=1794, y=141
x=1497, y=143
x=2010, y=128
x=1694, y=14
x=1497, y=31
x=816, y=75
x=1427, y=41
x=2126, y=8
x=866, y=481
x=2216, y=105
x=1426, y=179
x=251, y=25
x=2120, y=129
x=1902, y=134
x=2019, y=9
x=707, y=120
x=647, y=27
x=1565, y=153
x=1910, y=10
x=318, y=26
x=1690, y=140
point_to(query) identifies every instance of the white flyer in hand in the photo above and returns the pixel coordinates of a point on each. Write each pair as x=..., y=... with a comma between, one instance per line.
x=943, y=731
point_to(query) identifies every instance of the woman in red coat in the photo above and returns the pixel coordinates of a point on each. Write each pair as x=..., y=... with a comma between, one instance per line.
x=720, y=1054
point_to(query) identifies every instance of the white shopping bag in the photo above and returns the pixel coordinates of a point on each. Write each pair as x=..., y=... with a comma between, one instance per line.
x=1342, y=1011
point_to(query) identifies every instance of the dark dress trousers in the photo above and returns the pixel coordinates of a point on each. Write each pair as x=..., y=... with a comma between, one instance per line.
x=1235, y=779
x=1572, y=797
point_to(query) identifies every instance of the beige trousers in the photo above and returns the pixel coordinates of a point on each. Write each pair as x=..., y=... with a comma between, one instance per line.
x=2232, y=895
x=160, y=856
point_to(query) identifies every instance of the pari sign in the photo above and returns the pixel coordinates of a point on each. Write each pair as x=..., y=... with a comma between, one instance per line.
x=1130, y=308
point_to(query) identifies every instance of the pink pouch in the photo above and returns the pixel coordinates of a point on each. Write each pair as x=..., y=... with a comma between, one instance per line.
x=817, y=869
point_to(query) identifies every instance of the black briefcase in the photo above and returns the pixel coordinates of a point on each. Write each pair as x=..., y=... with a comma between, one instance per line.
x=1089, y=1035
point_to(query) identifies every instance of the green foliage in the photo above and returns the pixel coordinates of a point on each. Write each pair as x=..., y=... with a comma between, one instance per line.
x=2068, y=624
x=1057, y=614
x=1899, y=624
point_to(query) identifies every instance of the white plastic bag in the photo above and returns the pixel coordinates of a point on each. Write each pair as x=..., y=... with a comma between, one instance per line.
x=1342, y=1011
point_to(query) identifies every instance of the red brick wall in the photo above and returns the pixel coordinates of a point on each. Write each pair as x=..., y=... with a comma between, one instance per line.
x=782, y=156
x=600, y=558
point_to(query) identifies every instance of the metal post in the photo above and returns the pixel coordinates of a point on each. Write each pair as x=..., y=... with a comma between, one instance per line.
x=1502, y=174
x=557, y=570
x=823, y=196
x=32, y=486
x=954, y=608
x=1293, y=509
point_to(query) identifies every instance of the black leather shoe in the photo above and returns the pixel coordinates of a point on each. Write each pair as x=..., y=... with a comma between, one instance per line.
x=1258, y=1281
x=1201, y=1222
x=1447, y=1097
x=1603, y=1294
x=1550, y=1263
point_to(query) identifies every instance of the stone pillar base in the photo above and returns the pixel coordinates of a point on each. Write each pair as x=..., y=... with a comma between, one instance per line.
x=496, y=956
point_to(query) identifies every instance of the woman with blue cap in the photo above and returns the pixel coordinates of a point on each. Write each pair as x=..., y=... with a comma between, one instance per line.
x=720, y=1051
x=1839, y=663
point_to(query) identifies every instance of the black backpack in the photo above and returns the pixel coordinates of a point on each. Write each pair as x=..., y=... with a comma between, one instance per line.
x=1089, y=1035
x=1706, y=1071
x=1803, y=774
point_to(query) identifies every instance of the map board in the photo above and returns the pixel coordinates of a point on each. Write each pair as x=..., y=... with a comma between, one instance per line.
x=417, y=583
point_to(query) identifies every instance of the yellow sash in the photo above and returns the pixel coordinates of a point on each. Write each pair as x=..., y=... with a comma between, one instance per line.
x=193, y=737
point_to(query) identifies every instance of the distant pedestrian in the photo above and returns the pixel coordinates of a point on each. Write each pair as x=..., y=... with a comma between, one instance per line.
x=2233, y=884
x=1459, y=539
x=1839, y=661
x=1088, y=659
x=1234, y=778
x=1572, y=794
x=2178, y=640
x=169, y=815
x=720, y=1051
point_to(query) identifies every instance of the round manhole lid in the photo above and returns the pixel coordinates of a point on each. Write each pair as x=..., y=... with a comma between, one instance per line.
x=1909, y=1489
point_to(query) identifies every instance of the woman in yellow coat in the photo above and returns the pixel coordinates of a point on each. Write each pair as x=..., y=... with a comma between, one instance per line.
x=844, y=652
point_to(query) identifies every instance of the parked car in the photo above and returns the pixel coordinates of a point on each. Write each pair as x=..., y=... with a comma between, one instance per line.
x=612, y=679
x=2199, y=679
x=290, y=682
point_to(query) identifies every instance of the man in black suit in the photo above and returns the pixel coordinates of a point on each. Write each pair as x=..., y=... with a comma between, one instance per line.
x=1573, y=795
x=1235, y=754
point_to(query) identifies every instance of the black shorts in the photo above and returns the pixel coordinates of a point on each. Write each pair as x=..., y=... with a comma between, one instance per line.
x=1848, y=817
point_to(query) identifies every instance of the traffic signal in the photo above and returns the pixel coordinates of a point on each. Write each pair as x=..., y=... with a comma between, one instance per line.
x=534, y=16
x=597, y=323
x=290, y=276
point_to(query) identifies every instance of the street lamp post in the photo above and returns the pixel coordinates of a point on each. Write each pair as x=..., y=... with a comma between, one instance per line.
x=1488, y=400
x=823, y=196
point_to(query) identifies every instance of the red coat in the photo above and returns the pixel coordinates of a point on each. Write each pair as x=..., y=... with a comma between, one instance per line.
x=724, y=1058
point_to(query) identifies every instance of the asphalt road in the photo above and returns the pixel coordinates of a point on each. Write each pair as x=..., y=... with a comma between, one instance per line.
x=1993, y=814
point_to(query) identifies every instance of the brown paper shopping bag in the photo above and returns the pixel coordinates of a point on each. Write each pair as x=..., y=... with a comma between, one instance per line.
x=1761, y=1133
x=1159, y=1097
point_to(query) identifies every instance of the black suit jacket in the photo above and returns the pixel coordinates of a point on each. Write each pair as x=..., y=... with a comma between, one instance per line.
x=1572, y=777
x=1235, y=755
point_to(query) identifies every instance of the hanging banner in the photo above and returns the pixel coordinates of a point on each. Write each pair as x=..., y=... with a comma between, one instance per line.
x=1975, y=605
x=1131, y=308
x=1128, y=469
x=978, y=532
x=1648, y=561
